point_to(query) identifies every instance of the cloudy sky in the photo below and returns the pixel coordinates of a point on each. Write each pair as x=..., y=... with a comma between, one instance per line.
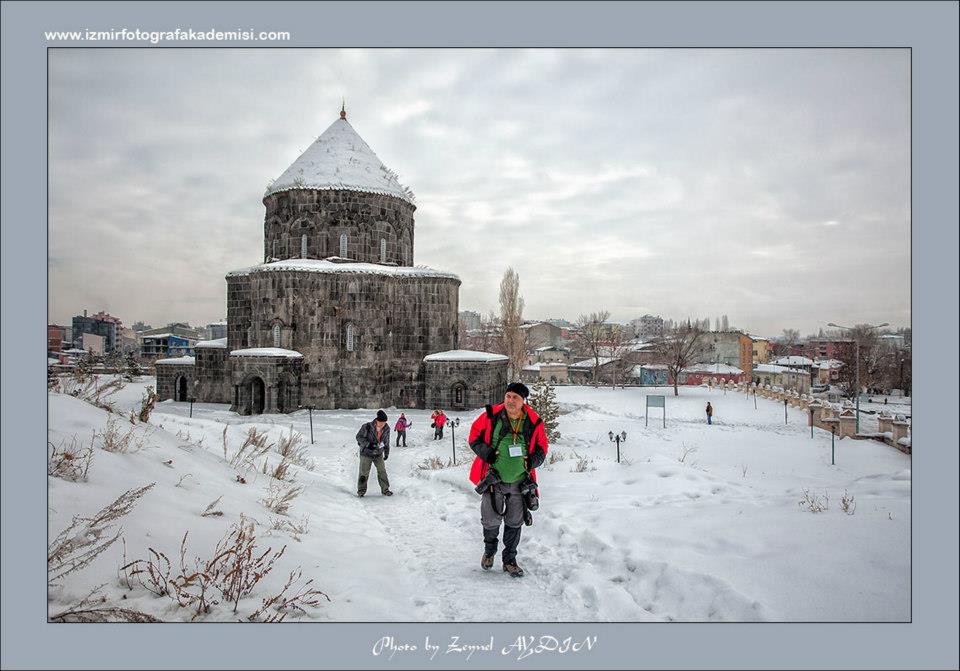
x=769, y=185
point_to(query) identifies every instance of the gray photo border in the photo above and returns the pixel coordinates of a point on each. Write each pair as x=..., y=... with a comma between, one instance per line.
x=929, y=29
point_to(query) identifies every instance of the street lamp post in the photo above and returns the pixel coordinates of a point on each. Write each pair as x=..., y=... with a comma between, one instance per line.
x=453, y=424
x=618, y=438
x=856, y=368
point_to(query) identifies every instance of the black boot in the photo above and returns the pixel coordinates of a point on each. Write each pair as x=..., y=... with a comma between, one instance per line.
x=489, y=547
x=511, y=539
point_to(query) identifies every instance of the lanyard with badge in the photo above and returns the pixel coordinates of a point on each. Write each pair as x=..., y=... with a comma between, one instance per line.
x=516, y=450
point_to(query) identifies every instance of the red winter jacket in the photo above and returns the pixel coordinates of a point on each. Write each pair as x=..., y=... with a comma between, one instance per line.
x=482, y=430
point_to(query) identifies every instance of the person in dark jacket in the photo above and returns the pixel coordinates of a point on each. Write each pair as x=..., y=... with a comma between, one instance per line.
x=709, y=413
x=374, y=441
x=508, y=438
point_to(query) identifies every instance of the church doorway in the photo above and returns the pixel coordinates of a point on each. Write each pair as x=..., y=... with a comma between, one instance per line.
x=257, y=396
x=180, y=390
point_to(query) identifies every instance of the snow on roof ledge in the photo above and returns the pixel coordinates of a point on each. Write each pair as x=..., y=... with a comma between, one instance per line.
x=219, y=343
x=325, y=266
x=181, y=360
x=466, y=355
x=267, y=351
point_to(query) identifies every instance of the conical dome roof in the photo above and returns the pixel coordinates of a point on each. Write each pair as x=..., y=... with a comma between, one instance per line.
x=340, y=159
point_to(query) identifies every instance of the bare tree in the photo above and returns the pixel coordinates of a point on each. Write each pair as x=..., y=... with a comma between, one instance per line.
x=678, y=349
x=591, y=337
x=511, y=318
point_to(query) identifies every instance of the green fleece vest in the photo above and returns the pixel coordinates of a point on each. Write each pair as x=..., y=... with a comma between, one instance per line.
x=511, y=469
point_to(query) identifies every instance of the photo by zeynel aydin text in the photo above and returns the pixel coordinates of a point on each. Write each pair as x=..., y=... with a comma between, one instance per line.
x=479, y=336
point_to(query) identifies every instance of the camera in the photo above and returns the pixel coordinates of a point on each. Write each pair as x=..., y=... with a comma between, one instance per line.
x=528, y=490
x=492, y=478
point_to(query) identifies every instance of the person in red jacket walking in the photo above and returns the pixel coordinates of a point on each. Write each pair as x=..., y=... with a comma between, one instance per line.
x=510, y=443
x=438, y=419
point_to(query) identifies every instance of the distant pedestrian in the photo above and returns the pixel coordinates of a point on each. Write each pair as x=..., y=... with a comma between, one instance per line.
x=709, y=413
x=374, y=441
x=401, y=429
x=439, y=419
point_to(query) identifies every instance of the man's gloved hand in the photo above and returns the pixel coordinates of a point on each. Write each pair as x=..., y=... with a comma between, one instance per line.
x=484, y=451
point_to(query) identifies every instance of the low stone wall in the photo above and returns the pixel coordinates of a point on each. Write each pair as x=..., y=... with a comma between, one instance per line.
x=894, y=431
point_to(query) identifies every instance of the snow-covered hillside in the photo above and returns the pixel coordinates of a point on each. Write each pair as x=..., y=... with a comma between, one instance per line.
x=697, y=523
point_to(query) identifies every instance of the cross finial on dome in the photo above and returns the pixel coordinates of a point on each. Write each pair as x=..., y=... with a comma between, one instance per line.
x=343, y=109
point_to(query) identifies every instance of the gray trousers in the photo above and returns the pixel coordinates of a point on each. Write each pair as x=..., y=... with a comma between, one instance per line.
x=365, y=463
x=505, y=505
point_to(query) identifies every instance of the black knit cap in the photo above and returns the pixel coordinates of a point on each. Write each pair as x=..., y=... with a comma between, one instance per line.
x=520, y=389
x=381, y=415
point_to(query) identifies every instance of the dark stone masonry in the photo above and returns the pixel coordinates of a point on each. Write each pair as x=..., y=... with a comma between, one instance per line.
x=337, y=316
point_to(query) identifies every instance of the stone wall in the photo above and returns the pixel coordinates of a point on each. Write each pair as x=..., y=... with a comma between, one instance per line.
x=213, y=373
x=280, y=378
x=168, y=375
x=323, y=216
x=395, y=322
x=238, y=311
x=479, y=383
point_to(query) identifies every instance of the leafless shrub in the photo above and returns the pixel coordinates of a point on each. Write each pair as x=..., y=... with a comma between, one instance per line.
x=147, y=403
x=115, y=440
x=847, y=503
x=433, y=464
x=278, y=499
x=291, y=447
x=743, y=470
x=69, y=462
x=224, y=438
x=254, y=446
x=101, y=392
x=211, y=510
x=276, y=608
x=296, y=528
x=555, y=457
x=182, y=478
x=281, y=471
x=814, y=502
x=686, y=451
x=582, y=464
x=232, y=573
x=94, y=608
x=88, y=537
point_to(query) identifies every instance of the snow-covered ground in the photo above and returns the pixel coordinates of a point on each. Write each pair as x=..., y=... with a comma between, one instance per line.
x=697, y=522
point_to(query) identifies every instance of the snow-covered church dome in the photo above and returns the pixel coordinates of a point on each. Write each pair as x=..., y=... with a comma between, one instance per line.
x=339, y=201
x=341, y=160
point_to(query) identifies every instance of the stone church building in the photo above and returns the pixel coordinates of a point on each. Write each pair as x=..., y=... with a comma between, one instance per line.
x=337, y=315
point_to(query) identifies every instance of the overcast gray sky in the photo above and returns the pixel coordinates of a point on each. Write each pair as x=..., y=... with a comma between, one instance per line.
x=769, y=185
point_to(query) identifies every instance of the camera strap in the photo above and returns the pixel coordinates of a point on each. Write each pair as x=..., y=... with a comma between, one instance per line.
x=493, y=501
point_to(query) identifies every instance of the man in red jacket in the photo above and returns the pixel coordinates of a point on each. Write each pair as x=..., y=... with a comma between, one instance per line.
x=509, y=439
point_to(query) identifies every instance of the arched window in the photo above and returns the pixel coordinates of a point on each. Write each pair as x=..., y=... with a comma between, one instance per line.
x=343, y=245
x=303, y=246
x=383, y=250
x=349, y=337
x=276, y=335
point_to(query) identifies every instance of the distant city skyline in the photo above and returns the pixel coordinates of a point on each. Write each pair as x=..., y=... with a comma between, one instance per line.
x=768, y=185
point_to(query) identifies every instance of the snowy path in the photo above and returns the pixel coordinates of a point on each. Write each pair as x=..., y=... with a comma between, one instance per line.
x=437, y=536
x=698, y=523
